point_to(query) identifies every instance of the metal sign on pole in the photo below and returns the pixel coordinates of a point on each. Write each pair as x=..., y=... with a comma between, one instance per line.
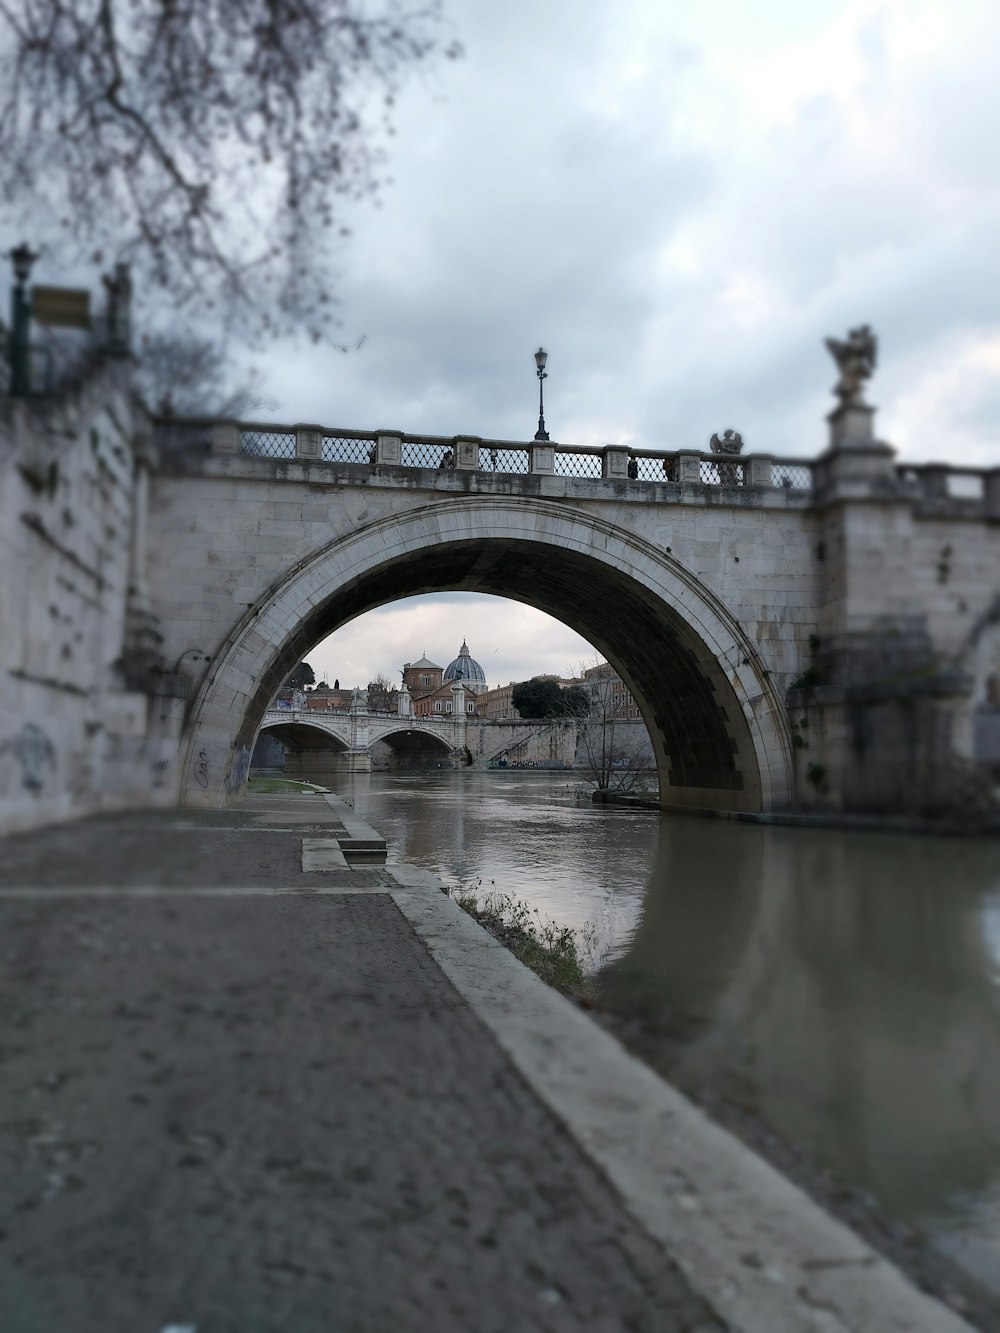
x=62, y=307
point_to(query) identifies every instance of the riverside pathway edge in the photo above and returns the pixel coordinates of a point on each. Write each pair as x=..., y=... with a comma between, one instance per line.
x=246, y=1087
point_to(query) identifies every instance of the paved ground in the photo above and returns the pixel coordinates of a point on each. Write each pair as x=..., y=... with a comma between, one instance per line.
x=245, y=1112
x=256, y=844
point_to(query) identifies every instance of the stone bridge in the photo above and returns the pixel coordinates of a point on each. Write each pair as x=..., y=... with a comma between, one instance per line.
x=321, y=742
x=797, y=633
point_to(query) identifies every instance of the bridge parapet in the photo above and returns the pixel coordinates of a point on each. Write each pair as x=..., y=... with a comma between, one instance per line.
x=941, y=490
x=360, y=728
x=506, y=458
x=934, y=488
x=317, y=716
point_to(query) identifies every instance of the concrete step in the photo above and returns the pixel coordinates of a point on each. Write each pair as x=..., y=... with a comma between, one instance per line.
x=350, y=843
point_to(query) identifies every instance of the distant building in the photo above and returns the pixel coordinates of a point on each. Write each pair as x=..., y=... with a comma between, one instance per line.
x=422, y=677
x=440, y=702
x=467, y=669
x=609, y=695
x=430, y=685
x=497, y=704
x=324, y=697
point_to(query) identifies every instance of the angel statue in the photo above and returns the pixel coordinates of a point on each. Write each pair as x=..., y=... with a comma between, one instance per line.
x=731, y=443
x=855, y=360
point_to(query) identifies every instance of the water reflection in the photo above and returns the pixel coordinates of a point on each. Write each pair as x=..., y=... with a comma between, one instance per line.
x=843, y=986
x=524, y=833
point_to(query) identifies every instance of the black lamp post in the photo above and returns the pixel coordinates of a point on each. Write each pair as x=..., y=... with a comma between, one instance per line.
x=20, y=321
x=541, y=356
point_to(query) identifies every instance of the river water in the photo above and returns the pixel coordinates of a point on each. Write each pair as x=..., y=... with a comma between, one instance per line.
x=845, y=987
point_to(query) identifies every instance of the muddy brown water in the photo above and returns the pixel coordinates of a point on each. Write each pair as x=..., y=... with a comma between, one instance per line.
x=844, y=987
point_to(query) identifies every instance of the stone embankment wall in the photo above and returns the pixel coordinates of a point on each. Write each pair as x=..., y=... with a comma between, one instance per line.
x=559, y=742
x=89, y=719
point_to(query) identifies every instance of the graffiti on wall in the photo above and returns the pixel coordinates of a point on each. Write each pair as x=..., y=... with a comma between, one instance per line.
x=33, y=755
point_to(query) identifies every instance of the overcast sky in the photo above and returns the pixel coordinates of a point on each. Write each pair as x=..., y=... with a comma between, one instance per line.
x=680, y=202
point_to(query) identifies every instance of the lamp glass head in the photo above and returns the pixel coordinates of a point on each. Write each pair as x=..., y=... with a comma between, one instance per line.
x=22, y=258
x=541, y=356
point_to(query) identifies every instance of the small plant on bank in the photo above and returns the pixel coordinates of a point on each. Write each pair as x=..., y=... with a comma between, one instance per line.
x=551, y=951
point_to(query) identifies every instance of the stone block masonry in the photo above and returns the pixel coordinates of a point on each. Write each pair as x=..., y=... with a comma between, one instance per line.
x=90, y=716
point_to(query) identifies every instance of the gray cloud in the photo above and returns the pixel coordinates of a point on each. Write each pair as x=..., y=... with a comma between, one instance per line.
x=680, y=209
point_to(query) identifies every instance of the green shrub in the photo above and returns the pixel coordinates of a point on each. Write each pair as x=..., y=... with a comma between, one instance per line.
x=551, y=951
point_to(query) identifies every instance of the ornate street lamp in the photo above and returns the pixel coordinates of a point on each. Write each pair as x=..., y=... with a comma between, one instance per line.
x=541, y=356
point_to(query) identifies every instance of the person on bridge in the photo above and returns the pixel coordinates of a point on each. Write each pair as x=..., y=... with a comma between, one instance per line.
x=633, y=467
x=447, y=460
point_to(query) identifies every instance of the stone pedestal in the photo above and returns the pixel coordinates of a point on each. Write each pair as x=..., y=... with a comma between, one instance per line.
x=308, y=441
x=542, y=459
x=225, y=437
x=389, y=447
x=934, y=481
x=856, y=465
x=466, y=451
x=615, y=463
x=688, y=468
x=852, y=426
x=759, y=470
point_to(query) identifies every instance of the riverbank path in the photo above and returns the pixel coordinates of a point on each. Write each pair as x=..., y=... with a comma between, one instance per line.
x=248, y=1084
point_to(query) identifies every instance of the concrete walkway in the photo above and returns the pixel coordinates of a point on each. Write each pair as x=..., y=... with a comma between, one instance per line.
x=241, y=1093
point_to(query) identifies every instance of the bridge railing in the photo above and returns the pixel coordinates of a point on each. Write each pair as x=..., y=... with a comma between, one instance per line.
x=935, y=481
x=509, y=457
x=503, y=458
x=316, y=715
x=967, y=491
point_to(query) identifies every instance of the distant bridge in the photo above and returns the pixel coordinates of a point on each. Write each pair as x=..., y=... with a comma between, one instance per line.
x=325, y=741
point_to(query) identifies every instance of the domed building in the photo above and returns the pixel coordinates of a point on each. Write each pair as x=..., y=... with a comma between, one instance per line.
x=466, y=669
x=430, y=687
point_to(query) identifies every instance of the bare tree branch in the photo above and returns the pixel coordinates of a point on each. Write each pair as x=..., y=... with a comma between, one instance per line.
x=211, y=143
x=181, y=374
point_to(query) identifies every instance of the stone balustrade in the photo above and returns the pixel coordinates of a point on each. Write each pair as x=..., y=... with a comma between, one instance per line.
x=933, y=488
x=317, y=716
x=506, y=457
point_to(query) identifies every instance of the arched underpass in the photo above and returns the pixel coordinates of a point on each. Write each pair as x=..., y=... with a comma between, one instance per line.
x=716, y=723
x=416, y=749
x=312, y=754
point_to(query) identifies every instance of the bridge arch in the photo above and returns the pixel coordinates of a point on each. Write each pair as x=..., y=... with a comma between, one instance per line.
x=716, y=722
x=301, y=735
x=410, y=745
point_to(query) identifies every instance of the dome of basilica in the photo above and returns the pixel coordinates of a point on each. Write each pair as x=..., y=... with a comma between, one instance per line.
x=466, y=668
